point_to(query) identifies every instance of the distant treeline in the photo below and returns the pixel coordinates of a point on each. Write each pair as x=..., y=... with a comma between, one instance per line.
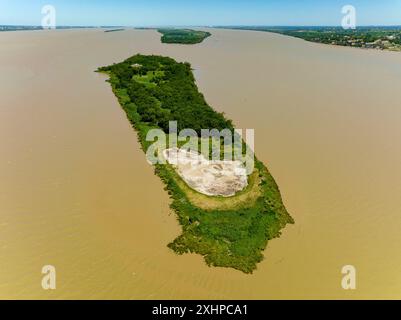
x=32, y=28
x=385, y=37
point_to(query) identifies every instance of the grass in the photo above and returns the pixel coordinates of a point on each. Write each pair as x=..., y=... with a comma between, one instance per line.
x=243, y=199
x=150, y=79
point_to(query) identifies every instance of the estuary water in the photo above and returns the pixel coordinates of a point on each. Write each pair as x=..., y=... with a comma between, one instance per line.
x=77, y=193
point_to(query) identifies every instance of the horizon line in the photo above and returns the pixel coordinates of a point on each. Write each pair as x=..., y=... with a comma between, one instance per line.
x=196, y=26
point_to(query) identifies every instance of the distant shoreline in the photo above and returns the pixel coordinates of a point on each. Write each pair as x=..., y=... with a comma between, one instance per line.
x=9, y=28
x=4, y=29
x=386, y=38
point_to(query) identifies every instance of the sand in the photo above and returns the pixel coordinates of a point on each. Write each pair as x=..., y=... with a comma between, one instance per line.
x=76, y=190
x=210, y=177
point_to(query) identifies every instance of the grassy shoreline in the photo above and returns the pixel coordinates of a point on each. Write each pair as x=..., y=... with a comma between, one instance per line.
x=228, y=232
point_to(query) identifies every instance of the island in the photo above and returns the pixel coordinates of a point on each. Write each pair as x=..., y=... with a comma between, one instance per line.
x=183, y=36
x=114, y=30
x=382, y=38
x=225, y=218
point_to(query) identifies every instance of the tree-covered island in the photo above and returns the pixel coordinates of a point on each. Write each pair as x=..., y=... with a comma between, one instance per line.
x=183, y=36
x=227, y=231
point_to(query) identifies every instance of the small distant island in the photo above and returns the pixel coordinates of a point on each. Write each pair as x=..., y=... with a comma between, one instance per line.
x=183, y=36
x=382, y=38
x=114, y=30
x=230, y=227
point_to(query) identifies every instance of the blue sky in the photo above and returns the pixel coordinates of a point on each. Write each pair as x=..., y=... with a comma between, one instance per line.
x=201, y=12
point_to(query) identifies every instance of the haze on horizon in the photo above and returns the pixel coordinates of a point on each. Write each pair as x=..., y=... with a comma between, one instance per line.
x=205, y=13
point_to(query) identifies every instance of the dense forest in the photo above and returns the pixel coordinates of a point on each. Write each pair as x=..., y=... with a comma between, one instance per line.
x=183, y=36
x=228, y=232
x=164, y=91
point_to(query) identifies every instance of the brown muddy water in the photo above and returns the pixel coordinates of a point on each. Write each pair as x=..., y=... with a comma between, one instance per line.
x=76, y=191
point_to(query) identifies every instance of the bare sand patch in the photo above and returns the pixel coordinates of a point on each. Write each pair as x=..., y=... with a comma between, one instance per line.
x=210, y=177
